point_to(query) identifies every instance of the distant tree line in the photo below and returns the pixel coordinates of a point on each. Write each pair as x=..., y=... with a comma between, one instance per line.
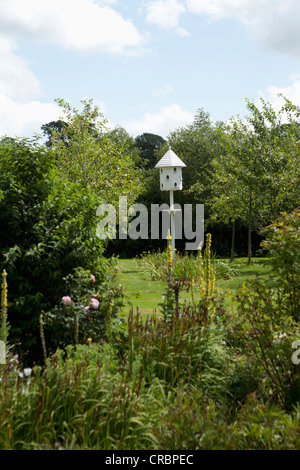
x=245, y=171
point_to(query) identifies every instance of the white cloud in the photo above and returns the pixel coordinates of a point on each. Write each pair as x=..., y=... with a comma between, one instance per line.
x=25, y=119
x=275, y=23
x=166, y=14
x=165, y=120
x=82, y=25
x=220, y=8
x=291, y=92
x=166, y=89
x=16, y=80
x=20, y=114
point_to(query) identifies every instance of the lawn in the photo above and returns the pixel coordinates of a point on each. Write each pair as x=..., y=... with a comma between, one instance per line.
x=146, y=294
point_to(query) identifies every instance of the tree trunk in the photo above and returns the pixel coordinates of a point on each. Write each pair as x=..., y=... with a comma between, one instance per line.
x=249, y=228
x=232, y=241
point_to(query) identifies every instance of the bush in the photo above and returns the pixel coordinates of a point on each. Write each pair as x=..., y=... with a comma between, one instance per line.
x=85, y=314
x=182, y=351
x=48, y=228
x=283, y=243
x=79, y=400
x=195, y=422
x=262, y=331
x=186, y=267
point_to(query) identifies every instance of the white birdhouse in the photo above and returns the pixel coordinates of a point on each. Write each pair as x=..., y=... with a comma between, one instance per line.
x=170, y=168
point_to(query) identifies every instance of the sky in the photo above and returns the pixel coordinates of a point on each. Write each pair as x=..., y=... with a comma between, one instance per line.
x=150, y=65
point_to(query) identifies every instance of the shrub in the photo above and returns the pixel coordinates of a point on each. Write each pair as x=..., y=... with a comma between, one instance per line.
x=92, y=302
x=263, y=331
x=181, y=351
x=48, y=228
x=186, y=266
x=283, y=243
x=78, y=401
x=195, y=422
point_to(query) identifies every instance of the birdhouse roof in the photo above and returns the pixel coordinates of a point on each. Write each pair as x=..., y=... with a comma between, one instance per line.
x=169, y=159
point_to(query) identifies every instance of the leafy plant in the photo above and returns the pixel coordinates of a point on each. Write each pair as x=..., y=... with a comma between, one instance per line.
x=186, y=265
x=87, y=153
x=92, y=302
x=253, y=426
x=80, y=400
x=283, y=244
x=180, y=351
x=48, y=228
x=263, y=330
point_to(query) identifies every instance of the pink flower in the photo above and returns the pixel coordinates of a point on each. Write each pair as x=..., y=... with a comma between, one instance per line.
x=94, y=303
x=87, y=308
x=66, y=300
x=93, y=279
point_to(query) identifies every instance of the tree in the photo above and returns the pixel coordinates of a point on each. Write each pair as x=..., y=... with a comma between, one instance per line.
x=120, y=136
x=55, y=128
x=235, y=179
x=278, y=144
x=148, y=144
x=257, y=174
x=197, y=145
x=92, y=157
x=225, y=200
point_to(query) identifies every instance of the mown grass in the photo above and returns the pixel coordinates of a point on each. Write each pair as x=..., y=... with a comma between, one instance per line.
x=140, y=293
x=146, y=294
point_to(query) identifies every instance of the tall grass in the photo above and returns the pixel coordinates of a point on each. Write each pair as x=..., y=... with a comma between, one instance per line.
x=107, y=397
x=154, y=265
x=176, y=383
x=182, y=351
x=75, y=404
x=165, y=388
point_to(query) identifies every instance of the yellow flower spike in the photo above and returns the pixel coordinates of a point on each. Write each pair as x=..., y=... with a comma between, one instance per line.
x=4, y=291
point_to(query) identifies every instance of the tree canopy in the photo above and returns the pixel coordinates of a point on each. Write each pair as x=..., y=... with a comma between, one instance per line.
x=87, y=153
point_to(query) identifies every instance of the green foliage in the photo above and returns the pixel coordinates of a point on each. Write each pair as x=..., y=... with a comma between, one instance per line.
x=148, y=144
x=48, y=228
x=263, y=331
x=255, y=426
x=245, y=378
x=181, y=351
x=81, y=401
x=4, y=325
x=88, y=154
x=215, y=373
x=256, y=175
x=174, y=385
x=86, y=311
x=197, y=145
x=55, y=128
x=186, y=266
x=283, y=244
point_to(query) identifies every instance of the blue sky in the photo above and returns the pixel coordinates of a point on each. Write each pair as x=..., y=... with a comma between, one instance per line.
x=148, y=64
